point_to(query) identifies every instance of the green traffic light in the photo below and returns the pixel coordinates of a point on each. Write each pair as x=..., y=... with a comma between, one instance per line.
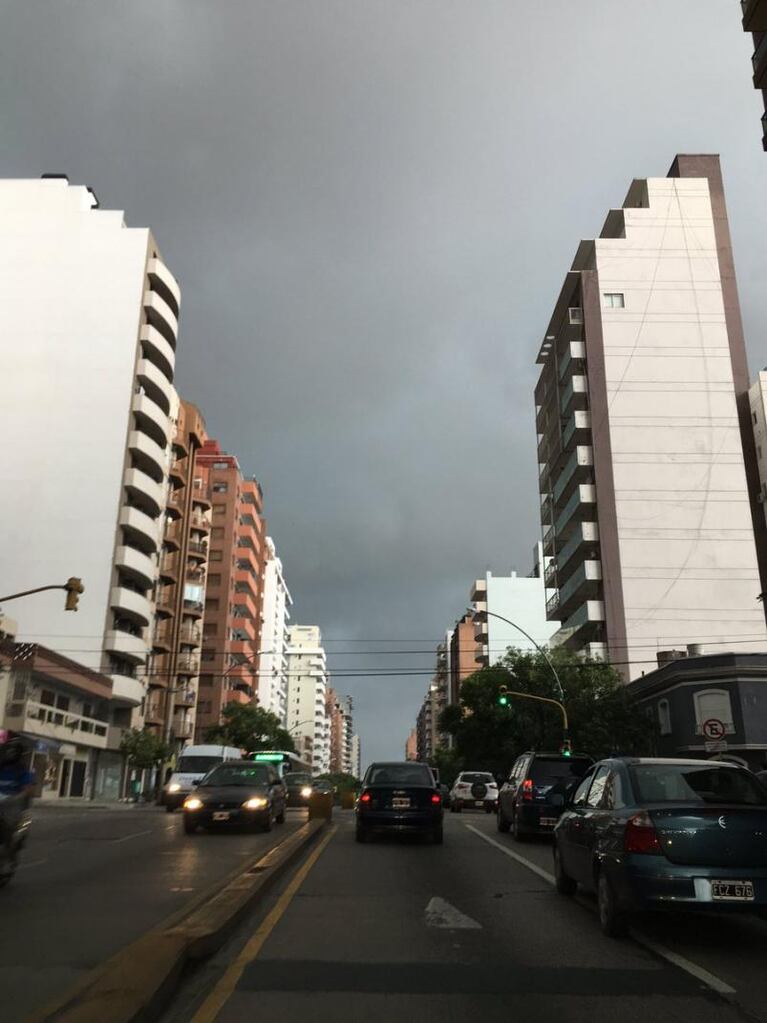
x=503, y=701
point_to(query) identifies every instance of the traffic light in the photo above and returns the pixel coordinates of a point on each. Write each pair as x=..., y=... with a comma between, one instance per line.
x=74, y=588
x=503, y=696
x=566, y=749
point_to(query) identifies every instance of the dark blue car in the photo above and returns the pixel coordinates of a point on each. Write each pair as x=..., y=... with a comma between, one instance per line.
x=664, y=834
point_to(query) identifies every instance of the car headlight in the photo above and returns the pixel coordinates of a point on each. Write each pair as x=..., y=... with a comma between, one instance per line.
x=256, y=803
x=193, y=803
x=306, y=791
x=174, y=787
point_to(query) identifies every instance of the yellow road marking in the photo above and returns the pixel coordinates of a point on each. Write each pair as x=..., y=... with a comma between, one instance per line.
x=221, y=993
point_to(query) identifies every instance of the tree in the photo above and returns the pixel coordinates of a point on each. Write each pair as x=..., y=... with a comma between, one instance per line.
x=448, y=762
x=602, y=718
x=250, y=727
x=341, y=782
x=144, y=749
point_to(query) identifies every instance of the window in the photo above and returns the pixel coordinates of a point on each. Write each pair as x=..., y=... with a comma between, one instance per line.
x=219, y=509
x=214, y=579
x=713, y=703
x=215, y=555
x=613, y=300
x=597, y=789
x=217, y=533
x=220, y=465
x=753, y=416
x=575, y=314
x=220, y=488
x=211, y=604
x=207, y=655
x=579, y=796
x=664, y=717
x=614, y=792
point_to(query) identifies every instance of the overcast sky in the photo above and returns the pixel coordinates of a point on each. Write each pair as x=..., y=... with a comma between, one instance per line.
x=370, y=206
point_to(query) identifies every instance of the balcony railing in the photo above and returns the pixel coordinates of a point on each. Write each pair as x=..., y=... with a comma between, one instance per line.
x=759, y=61
x=47, y=715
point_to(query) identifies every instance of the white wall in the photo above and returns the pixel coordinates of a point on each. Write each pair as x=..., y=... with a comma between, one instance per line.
x=687, y=552
x=522, y=599
x=273, y=661
x=71, y=283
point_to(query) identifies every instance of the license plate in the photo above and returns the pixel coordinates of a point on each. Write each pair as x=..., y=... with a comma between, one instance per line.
x=221, y=815
x=732, y=891
x=548, y=822
x=400, y=804
x=480, y=802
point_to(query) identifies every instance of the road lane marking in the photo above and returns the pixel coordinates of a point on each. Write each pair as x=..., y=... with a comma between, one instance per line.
x=127, y=838
x=221, y=993
x=514, y=856
x=441, y=914
x=701, y=974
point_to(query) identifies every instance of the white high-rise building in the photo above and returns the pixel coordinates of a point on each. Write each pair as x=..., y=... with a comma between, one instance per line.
x=649, y=482
x=520, y=599
x=307, y=690
x=356, y=769
x=88, y=350
x=273, y=660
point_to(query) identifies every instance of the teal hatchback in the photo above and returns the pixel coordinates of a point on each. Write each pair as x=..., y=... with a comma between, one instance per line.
x=664, y=834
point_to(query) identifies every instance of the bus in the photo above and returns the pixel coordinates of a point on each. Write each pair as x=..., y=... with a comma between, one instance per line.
x=286, y=763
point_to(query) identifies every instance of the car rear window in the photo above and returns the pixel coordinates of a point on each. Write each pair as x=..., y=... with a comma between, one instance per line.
x=399, y=774
x=197, y=765
x=473, y=779
x=295, y=780
x=550, y=771
x=235, y=774
x=683, y=783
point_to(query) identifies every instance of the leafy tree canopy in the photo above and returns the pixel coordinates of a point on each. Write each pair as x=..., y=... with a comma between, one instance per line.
x=602, y=718
x=250, y=727
x=143, y=748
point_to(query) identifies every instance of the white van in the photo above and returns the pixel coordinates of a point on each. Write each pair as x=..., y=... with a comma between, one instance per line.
x=194, y=762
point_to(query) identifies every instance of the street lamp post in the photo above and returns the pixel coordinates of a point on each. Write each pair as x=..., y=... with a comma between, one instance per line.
x=539, y=648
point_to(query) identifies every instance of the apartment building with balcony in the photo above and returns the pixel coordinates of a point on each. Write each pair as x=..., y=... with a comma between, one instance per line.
x=273, y=655
x=233, y=598
x=307, y=717
x=652, y=529
x=754, y=14
x=339, y=711
x=411, y=745
x=173, y=677
x=521, y=600
x=356, y=756
x=88, y=349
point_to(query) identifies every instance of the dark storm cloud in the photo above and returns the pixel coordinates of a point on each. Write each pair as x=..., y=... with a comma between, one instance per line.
x=370, y=207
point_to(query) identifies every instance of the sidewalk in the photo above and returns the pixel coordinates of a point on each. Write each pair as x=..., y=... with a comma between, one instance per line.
x=88, y=804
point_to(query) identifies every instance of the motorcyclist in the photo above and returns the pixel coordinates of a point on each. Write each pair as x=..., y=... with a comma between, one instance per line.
x=17, y=784
x=15, y=778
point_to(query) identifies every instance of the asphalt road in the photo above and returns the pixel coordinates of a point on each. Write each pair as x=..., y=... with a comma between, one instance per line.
x=402, y=930
x=92, y=880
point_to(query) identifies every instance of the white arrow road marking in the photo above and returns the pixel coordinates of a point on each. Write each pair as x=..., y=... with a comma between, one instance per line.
x=441, y=914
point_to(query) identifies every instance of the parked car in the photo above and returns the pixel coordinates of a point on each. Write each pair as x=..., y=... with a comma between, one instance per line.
x=236, y=794
x=474, y=789
x=664, y=834
x=299, y=788
x=533, y=796
x=398, y=798
x=194, y=762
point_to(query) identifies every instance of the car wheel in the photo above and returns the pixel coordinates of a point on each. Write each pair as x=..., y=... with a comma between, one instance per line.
x=437, y=836
x=503, y=824
x=612, y=921
x=361, y=834
x=564, y=884
x=516, y=829
x=190, y=827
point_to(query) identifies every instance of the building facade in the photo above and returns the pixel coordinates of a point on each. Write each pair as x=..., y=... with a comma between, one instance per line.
x=648, y=475
x=339, y=713
x=307, y=717
x=273, y=656
x=411, y=746
x=91, y=405
x=520, y=599
x=755, y=21
x=356, y=757
x=231, y=633
x=173, y=678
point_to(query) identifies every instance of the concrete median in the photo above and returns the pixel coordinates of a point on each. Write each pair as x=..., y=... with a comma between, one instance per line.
x=136, y=984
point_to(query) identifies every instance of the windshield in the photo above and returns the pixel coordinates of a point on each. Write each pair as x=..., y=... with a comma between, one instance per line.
x=196, y=765
x=295, y=781
x=399, y=774
x=238, y=774
x=477, y=779
x=556, y=770
x=682, y=783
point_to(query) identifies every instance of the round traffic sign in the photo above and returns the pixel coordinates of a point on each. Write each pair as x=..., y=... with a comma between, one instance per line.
x=713, y=728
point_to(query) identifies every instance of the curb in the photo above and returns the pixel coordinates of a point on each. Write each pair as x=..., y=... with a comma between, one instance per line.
x=136, y=984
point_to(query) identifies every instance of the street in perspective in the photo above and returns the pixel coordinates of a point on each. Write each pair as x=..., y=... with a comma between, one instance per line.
x=383, y=530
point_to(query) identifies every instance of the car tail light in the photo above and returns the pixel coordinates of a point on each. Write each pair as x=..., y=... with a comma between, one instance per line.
x=435, y=798
x=365, y=797
x=641, y=836
x=527, y=789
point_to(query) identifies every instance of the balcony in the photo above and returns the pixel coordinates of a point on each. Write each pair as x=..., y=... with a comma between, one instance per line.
x=163, y=635
x=754, y=15
x=197, y=549
x=481, y=633
x=237, y=696
x=198, y=521
x=176, y=500
x=126, y=645
x=164, y=283
x=155, y=384
x=191, y=633
x=547, y=509
x=147, y=455
x=154, y=713
x=151, y=420
x=156, y=348
x=165, y=600
x=583, y=533
x=53, y=723
x=195, y=575
x=482, y=655
x=173, y=533
x=188, y=664
x=578, y=469
x=169, y=564
x=130, y=604
x=764, y=130
x=201, y=499
x=577, y=429
x=580, y=506
x=584, y=584
x=144, y=492
x=193, y=607
x=142, y=530
x=127, y=690
x=574, y=394
x=183, y=726
x=759, y=61
x=479, y=591
x=572, y=358
x=550, y=573
x=552, y=607
x=136, y=565
x=549, y=539
x=185, y=698
x=583, y=622
x=160, y=316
